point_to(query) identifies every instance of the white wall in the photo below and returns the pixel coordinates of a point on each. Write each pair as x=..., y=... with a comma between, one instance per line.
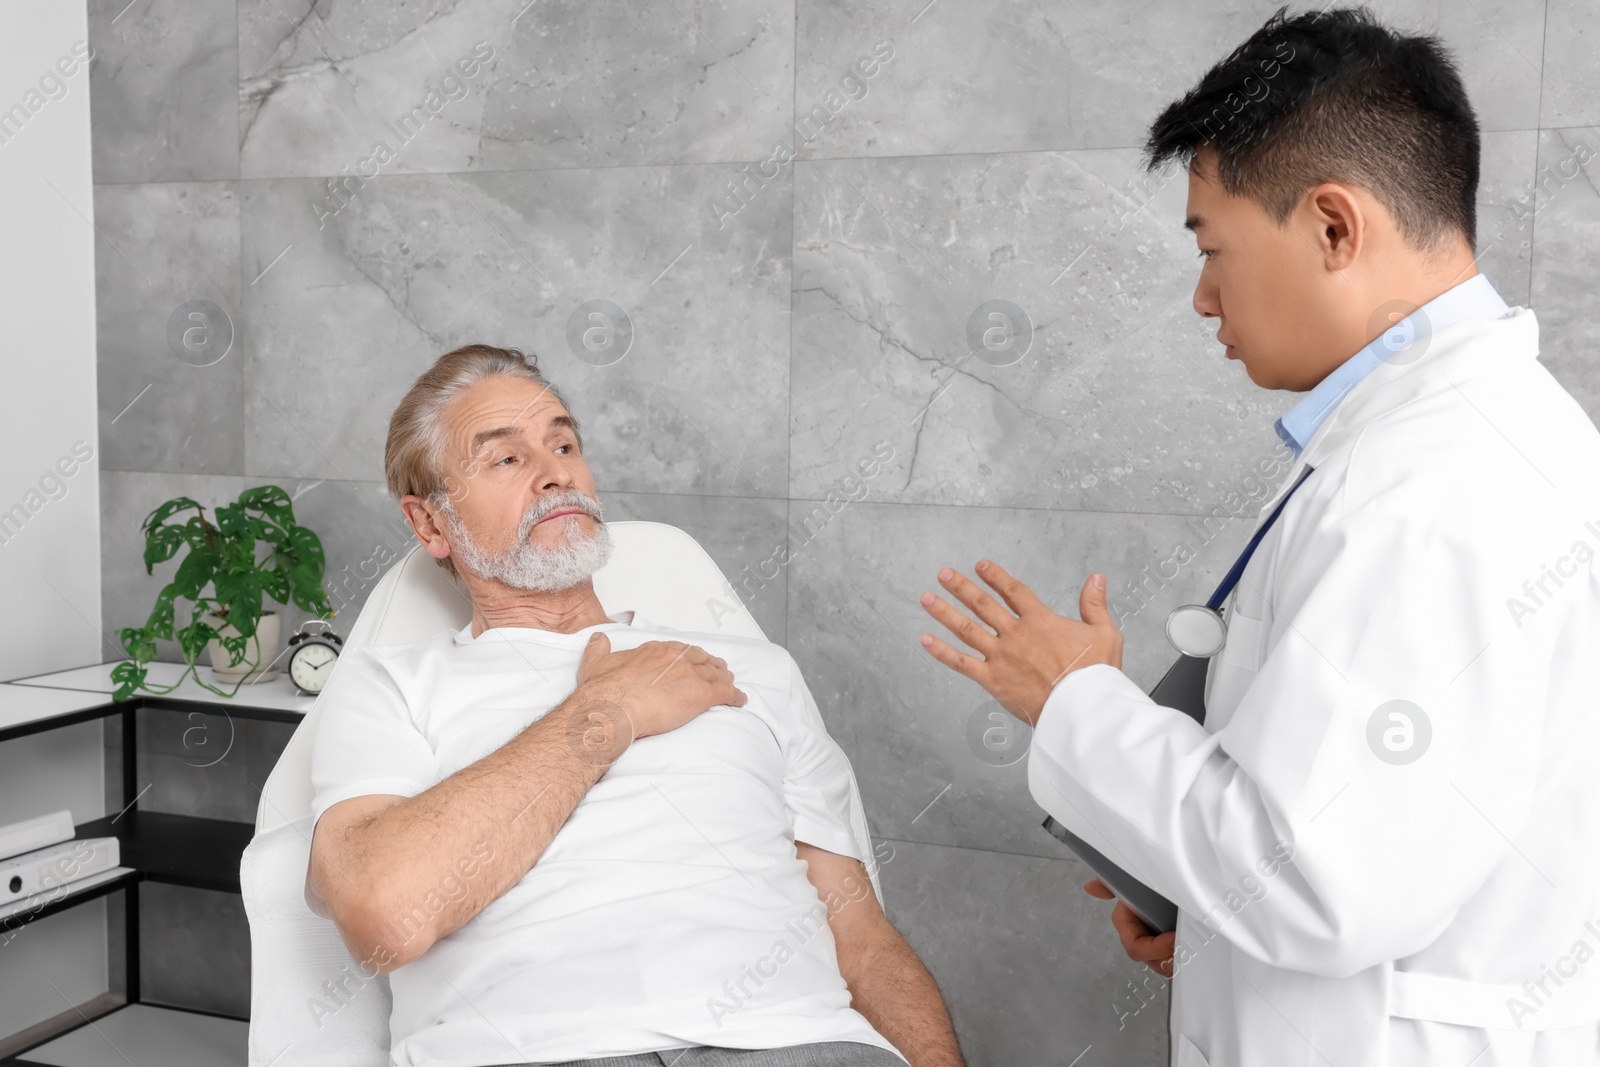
x=50, y=566
x=49, y=520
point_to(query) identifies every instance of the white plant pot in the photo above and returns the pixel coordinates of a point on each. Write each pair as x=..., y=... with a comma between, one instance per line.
x=267, y=635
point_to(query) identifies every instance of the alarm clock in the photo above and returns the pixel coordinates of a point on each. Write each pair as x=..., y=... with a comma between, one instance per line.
x=313, y=650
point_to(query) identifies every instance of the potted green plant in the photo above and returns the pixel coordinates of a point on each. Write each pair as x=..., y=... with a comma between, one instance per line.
x=254, y=548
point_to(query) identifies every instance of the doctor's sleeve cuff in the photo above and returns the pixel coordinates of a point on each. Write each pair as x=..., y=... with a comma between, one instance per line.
x=1098, y=723
x=1079, y=693
x=1113, y=766
x=1085, y=692
x=1080, y=690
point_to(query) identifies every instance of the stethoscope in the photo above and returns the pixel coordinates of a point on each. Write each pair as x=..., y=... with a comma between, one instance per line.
x=1198, y=629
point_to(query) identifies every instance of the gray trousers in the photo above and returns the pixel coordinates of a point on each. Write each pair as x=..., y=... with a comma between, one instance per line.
x=820, y=1054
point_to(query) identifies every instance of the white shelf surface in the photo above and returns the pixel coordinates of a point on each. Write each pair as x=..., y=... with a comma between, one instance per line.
x=22, y=704
x=72, y=888
x=146, y=1035
x=279, y=693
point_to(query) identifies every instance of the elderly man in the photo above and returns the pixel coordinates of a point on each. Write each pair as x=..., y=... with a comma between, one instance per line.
x=571, y=837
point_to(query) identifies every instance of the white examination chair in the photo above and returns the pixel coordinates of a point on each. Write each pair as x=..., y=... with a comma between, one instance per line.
x=309, y=1002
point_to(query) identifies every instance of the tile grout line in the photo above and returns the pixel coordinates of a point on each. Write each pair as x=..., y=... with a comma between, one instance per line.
x=402, y=173
x=1065, y=511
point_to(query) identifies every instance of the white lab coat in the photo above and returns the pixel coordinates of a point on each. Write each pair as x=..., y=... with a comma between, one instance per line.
x=1363, y=912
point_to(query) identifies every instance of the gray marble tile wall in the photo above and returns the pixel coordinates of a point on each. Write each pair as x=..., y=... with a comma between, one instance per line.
x=358, y=187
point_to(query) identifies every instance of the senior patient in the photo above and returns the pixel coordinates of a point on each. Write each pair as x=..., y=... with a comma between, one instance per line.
x=569, y=836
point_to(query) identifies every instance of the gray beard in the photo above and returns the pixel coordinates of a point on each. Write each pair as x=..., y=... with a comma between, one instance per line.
x=527, y=565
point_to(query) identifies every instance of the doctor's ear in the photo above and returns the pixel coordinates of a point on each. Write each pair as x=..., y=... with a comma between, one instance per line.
x=1340, y=222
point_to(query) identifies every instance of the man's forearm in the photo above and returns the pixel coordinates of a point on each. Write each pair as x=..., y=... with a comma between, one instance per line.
x=891, y=987
x=407, y=866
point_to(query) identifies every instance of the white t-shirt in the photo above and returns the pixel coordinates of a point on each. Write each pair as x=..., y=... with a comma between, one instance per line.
x=670, y=910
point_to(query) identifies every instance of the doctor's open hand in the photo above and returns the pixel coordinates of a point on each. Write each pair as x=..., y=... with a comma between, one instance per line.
x=1023, y=648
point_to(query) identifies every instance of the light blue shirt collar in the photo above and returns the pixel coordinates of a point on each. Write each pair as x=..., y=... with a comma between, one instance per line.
x=1474, y=298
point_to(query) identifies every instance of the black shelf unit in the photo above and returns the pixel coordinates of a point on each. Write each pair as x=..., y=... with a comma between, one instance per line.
x=184, y=850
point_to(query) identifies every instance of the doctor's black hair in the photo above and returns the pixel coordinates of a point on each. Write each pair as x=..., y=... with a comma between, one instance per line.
x=1335, y=96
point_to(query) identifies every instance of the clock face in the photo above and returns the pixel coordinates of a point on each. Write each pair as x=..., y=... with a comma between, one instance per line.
x=311, y=664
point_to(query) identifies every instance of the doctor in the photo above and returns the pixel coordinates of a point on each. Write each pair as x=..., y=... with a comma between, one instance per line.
x=1383, y=837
